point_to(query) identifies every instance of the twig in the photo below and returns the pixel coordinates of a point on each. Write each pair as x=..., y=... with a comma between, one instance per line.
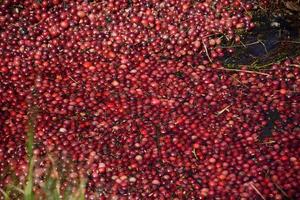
x=268, y=64
x=223, y=110
x=246, y=71
x=280, y=189
x=243, y=45
x=73, y=79
x=96, y=3
x=269, y=142
x=257, y=191
x=264, y=46
x=253, y=63
x=295, y=65
x=289, y=41
x=206, y=36
x=194, y=152
x=206, y=51
x=236, y=79
x=244, y=8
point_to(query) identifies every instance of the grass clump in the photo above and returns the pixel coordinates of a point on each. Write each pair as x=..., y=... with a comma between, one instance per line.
x=49, y=185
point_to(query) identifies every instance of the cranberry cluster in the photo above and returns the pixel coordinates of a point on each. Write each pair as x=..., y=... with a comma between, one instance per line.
x=131, y=92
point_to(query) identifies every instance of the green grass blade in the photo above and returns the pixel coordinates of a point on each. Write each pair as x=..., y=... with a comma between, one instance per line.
x=51, y=190
x=30, y=136
x=79, y=194
x=28, y=191
x=16, y=189
x=81, y=190
x=5, y=194
x=67, y=193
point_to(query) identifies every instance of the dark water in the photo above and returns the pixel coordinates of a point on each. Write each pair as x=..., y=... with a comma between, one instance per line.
x=272, y=116
x=273, y=39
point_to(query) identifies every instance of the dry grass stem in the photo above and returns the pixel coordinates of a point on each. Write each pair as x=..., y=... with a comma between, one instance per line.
x=206, y=51
x=246, y=71
x=223, y=110
x=257, y=191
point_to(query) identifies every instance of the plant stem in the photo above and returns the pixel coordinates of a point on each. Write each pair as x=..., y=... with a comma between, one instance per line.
x=246, y=71
x=257, y=191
